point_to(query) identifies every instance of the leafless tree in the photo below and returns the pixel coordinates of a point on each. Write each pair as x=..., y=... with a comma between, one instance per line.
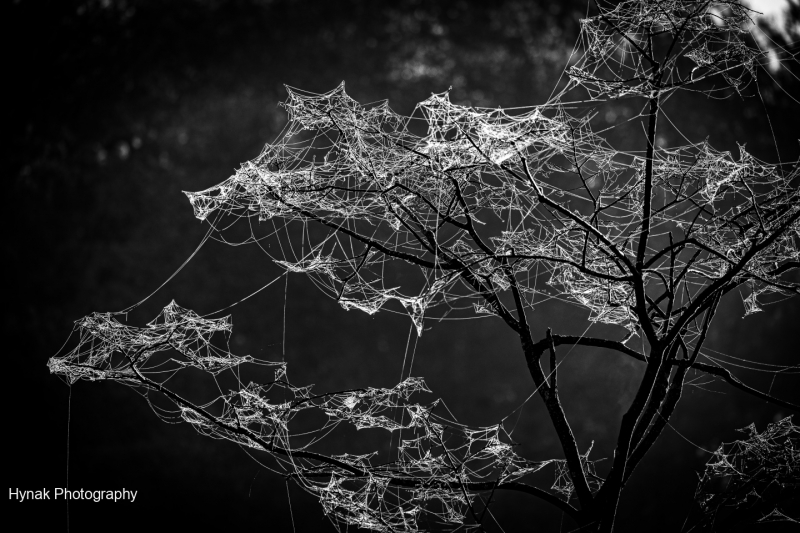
x=489, y=211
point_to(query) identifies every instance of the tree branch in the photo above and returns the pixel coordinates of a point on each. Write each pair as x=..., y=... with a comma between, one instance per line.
x=559, y=419
x=736, y=382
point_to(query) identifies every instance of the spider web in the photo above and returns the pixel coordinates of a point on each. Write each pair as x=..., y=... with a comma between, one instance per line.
x=762, y=469
x=440, y=467
x=482, y=213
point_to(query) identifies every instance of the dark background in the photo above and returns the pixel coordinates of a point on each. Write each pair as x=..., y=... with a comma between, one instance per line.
x=116, y=107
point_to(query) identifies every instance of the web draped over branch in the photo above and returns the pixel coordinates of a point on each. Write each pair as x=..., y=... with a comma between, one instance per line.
x=475, y=212
x=487, y=203
x=708, y=40
x=175, y=328
x=441, y=468
x=761, y=470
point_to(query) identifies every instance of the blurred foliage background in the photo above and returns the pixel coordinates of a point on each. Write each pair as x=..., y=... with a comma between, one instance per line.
x=117, y=106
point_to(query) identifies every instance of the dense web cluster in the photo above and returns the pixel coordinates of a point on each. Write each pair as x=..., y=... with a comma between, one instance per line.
x=487, y=202
x=619, y=57
x=760, y=471
x=463, y=212
x=440, y=468
x=109, y=349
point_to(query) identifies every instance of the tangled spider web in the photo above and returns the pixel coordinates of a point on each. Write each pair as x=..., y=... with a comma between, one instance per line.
x=464, y=212
x=441, y=465
x=619, y=58
x=762, y=470
x=488, y=203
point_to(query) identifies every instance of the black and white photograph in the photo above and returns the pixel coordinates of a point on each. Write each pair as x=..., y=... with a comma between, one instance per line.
x=403, y=266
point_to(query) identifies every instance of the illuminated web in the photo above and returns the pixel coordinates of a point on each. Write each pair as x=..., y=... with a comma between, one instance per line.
x=486, y=198
x=618, y=58
x=762, y=469
x=441, y=468
x=460, y=212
